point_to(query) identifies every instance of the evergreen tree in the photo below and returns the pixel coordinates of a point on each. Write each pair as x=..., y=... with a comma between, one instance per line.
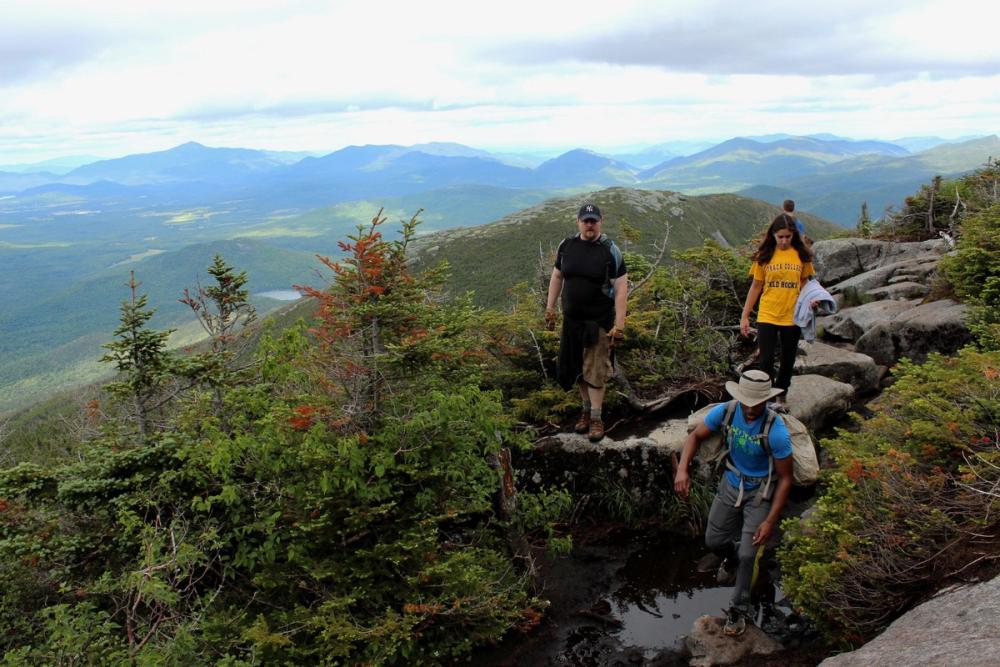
x=864, y=222
x=143, y=363
x=224, y=312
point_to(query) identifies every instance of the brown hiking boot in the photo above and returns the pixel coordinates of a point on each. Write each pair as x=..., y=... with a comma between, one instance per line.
x=596, y=430
x=583, y=423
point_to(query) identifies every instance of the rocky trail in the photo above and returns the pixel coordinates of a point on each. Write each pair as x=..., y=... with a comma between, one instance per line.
x=886, y=312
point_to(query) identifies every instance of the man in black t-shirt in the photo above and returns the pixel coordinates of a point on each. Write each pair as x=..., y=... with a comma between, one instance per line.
x=591, y=276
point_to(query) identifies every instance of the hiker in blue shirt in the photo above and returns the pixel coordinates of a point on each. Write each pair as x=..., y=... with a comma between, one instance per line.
x=748, y=504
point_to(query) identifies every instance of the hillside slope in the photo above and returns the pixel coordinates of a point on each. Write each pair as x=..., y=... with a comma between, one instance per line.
x=55, y=341
x=492, y=258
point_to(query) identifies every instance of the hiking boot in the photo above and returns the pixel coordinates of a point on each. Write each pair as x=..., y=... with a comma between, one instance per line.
x=726, y=574
x=583, y=423
x=596, y=430
x=708, y=563
x=779, y=405
x=736, y=624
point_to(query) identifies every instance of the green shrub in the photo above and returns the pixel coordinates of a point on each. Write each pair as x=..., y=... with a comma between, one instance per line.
x=974, y=271
x=910, y=492
x=343, y=512
x=676, y=333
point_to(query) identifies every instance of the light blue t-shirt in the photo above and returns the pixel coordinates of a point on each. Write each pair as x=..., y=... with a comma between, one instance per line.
x=744, y=448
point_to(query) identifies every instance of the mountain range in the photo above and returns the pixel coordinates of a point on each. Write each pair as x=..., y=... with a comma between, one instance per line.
x=254, y=184
x=68, y=240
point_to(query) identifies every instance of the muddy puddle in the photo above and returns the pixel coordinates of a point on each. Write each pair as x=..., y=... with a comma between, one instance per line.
x=660, y=593
x=622, y=598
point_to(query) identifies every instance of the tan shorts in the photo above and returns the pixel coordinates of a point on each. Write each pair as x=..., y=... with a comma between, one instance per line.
x=597, y=361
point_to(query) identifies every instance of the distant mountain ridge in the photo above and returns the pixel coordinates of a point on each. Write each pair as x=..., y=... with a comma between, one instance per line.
x=356, y=172
x=188, y=162
x=749, y=160
x=581, y=166
x=836, y=191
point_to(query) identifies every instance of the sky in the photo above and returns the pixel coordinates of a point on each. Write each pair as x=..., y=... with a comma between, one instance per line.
x=109, y=78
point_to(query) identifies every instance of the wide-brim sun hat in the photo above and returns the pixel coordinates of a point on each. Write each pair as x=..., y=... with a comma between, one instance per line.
x=753, y=389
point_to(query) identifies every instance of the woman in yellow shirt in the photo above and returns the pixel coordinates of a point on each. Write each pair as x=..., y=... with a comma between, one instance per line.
x=781, y=265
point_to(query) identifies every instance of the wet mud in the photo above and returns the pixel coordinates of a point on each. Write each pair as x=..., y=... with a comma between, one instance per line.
x=627, y=597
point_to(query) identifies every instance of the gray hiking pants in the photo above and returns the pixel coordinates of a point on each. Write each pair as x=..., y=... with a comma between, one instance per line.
x=731, y=529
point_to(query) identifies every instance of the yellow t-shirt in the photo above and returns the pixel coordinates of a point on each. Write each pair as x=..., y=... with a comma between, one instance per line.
x=782, y=278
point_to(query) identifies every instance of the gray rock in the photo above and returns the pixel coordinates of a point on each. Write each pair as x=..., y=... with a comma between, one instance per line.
x=670, y=435
x=863, y=282
x=838, y=259
x=852, y=323
x=710, y=646
x=938, y=326
x=902, y=290
x=816, y=400
x=917, y=269
x=858, y=370
x=640, y=467
x=958, y=627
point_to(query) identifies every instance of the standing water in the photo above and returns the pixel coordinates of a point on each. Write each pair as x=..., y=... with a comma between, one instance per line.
x=281, y=294
x=661, y=593
x=626, y=598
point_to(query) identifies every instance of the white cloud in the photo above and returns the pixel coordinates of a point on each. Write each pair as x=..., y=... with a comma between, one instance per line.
x=116, y=77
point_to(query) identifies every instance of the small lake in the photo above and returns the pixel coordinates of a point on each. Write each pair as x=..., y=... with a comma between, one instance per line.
x=281, y=294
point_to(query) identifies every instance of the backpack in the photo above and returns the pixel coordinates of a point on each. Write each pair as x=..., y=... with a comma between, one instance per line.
x=805, y=465
x=613, y=261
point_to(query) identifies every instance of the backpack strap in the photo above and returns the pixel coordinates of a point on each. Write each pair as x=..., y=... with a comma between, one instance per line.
x=766, y=446
x=727, y=417
x=613, y=260
x=762, y=438
x=562, y=245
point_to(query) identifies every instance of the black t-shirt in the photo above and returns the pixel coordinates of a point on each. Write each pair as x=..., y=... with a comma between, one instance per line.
x=588, y=268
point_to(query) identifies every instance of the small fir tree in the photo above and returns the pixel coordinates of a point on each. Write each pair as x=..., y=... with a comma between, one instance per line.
x=864, y=222
x=140, y=356
x=224, y=312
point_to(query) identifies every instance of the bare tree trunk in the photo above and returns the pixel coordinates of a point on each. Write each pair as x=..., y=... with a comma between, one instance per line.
x=516, y=540
x=659, y=258
x=935, y=186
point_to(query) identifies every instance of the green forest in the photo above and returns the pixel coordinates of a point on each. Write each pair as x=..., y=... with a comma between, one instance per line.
x=336, y=486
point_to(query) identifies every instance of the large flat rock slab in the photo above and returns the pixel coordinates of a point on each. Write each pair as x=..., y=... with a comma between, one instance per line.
x=640, y=467
x=900, y=289
x=917, y=269
x=856, y=369
x=959, y=627
x=938, y=326
x=670, y=435
x=852, y=323
x=839, y=259
x=817, y=401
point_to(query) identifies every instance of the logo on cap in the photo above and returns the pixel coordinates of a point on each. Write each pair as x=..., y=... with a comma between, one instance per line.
x=589, y=212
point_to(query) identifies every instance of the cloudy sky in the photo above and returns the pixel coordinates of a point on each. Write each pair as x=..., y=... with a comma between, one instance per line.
x=107, y=78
